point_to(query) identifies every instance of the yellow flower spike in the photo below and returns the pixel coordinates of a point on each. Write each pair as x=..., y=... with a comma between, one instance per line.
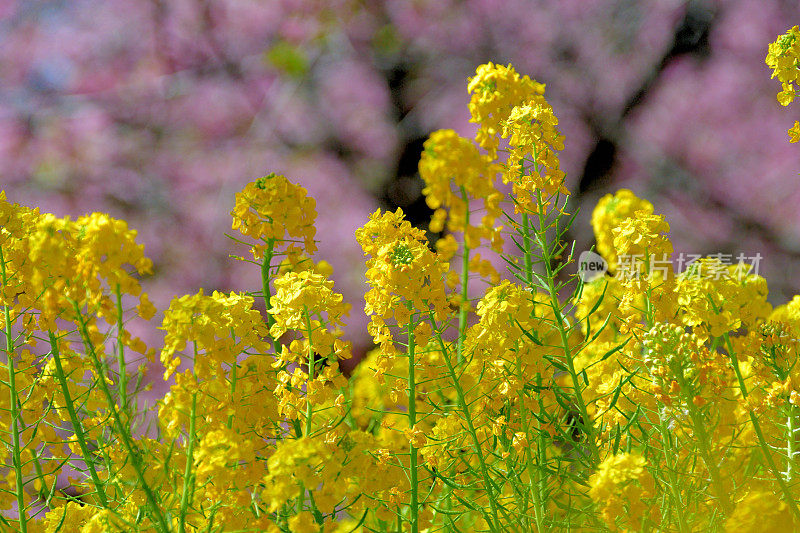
x=301, y=293
x=495, y=90
x=794, y=132
x=146, y=309
x=273, y=208
x=760, y=510
x=452, y=167
x=641, y=235
x=400, y=268
x=607, y=215
x=783, y=58
x=622, y=487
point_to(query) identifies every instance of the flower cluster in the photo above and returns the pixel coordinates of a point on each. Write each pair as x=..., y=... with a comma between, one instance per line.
x=404, y=274
x=784, y=60
x=610, y=210
x=273, y=210
x=495, y=90
x=532, y=163
x=306, y=303
x=508, y=105
x=622, y=487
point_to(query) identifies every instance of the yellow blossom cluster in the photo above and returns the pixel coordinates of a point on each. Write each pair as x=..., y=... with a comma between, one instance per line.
x=640, y=236
x=404, y=274
x=450, y=162
x=272, y=210
x=505, y=104
x=622, y=487
x=220, y=326
x=715, y=298
x=532, y=163
x=454, y=172
x=682, y=366
x=495, y=90
x=504, y=356
x=305, y=302
x=783, y=58
x=610, y=210
x=760, y=510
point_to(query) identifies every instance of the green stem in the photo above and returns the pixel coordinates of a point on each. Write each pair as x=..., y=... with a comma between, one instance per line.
x=464, y=407
x=311, y=365
x=234, y=376
x=791, y=423
x=266, y=263
x=703, y=441
x=462, y=308
x=673, y=481
x=77, y=424
x=123, y=373
x=585, y=424
x=412, y=421
x=133, y=454
x=15, y=415
x=188, y=487
x=773, y=468
x=541, y=451
x=705, y=452
x=526, y=248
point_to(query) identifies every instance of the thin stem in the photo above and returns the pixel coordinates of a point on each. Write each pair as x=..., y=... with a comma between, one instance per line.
x=791, y=427
x=266, y=263
x=541, y=453
x=462, y=308
x=585, y=425
x=705, y=452
x=15, y=416
x=187, y=472
x=123, y=374
x=787, y=493
x=123, y=432
x=462, y=404
x=412, y=421
x=309, y=408
x=77, y=424
x=673, y=481
x=526, y=250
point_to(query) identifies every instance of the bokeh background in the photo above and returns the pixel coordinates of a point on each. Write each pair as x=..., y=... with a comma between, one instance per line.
x=159, y=111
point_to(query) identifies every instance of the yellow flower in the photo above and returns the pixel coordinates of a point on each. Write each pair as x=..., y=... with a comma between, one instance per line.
x=607, y=215
x=210, y=321
x=495, y=90
x=105, y=246
x=273, y=208
x=783, y=58
x=302, y=296
x=402, y=270
x=452, y=168
x=621, y=487
x=794, y=132
x=532, y=163
x=640, y=236
x=416, y=437
x=303, y=523
x=146, y=309
x=761, y=511
x=717, y=298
